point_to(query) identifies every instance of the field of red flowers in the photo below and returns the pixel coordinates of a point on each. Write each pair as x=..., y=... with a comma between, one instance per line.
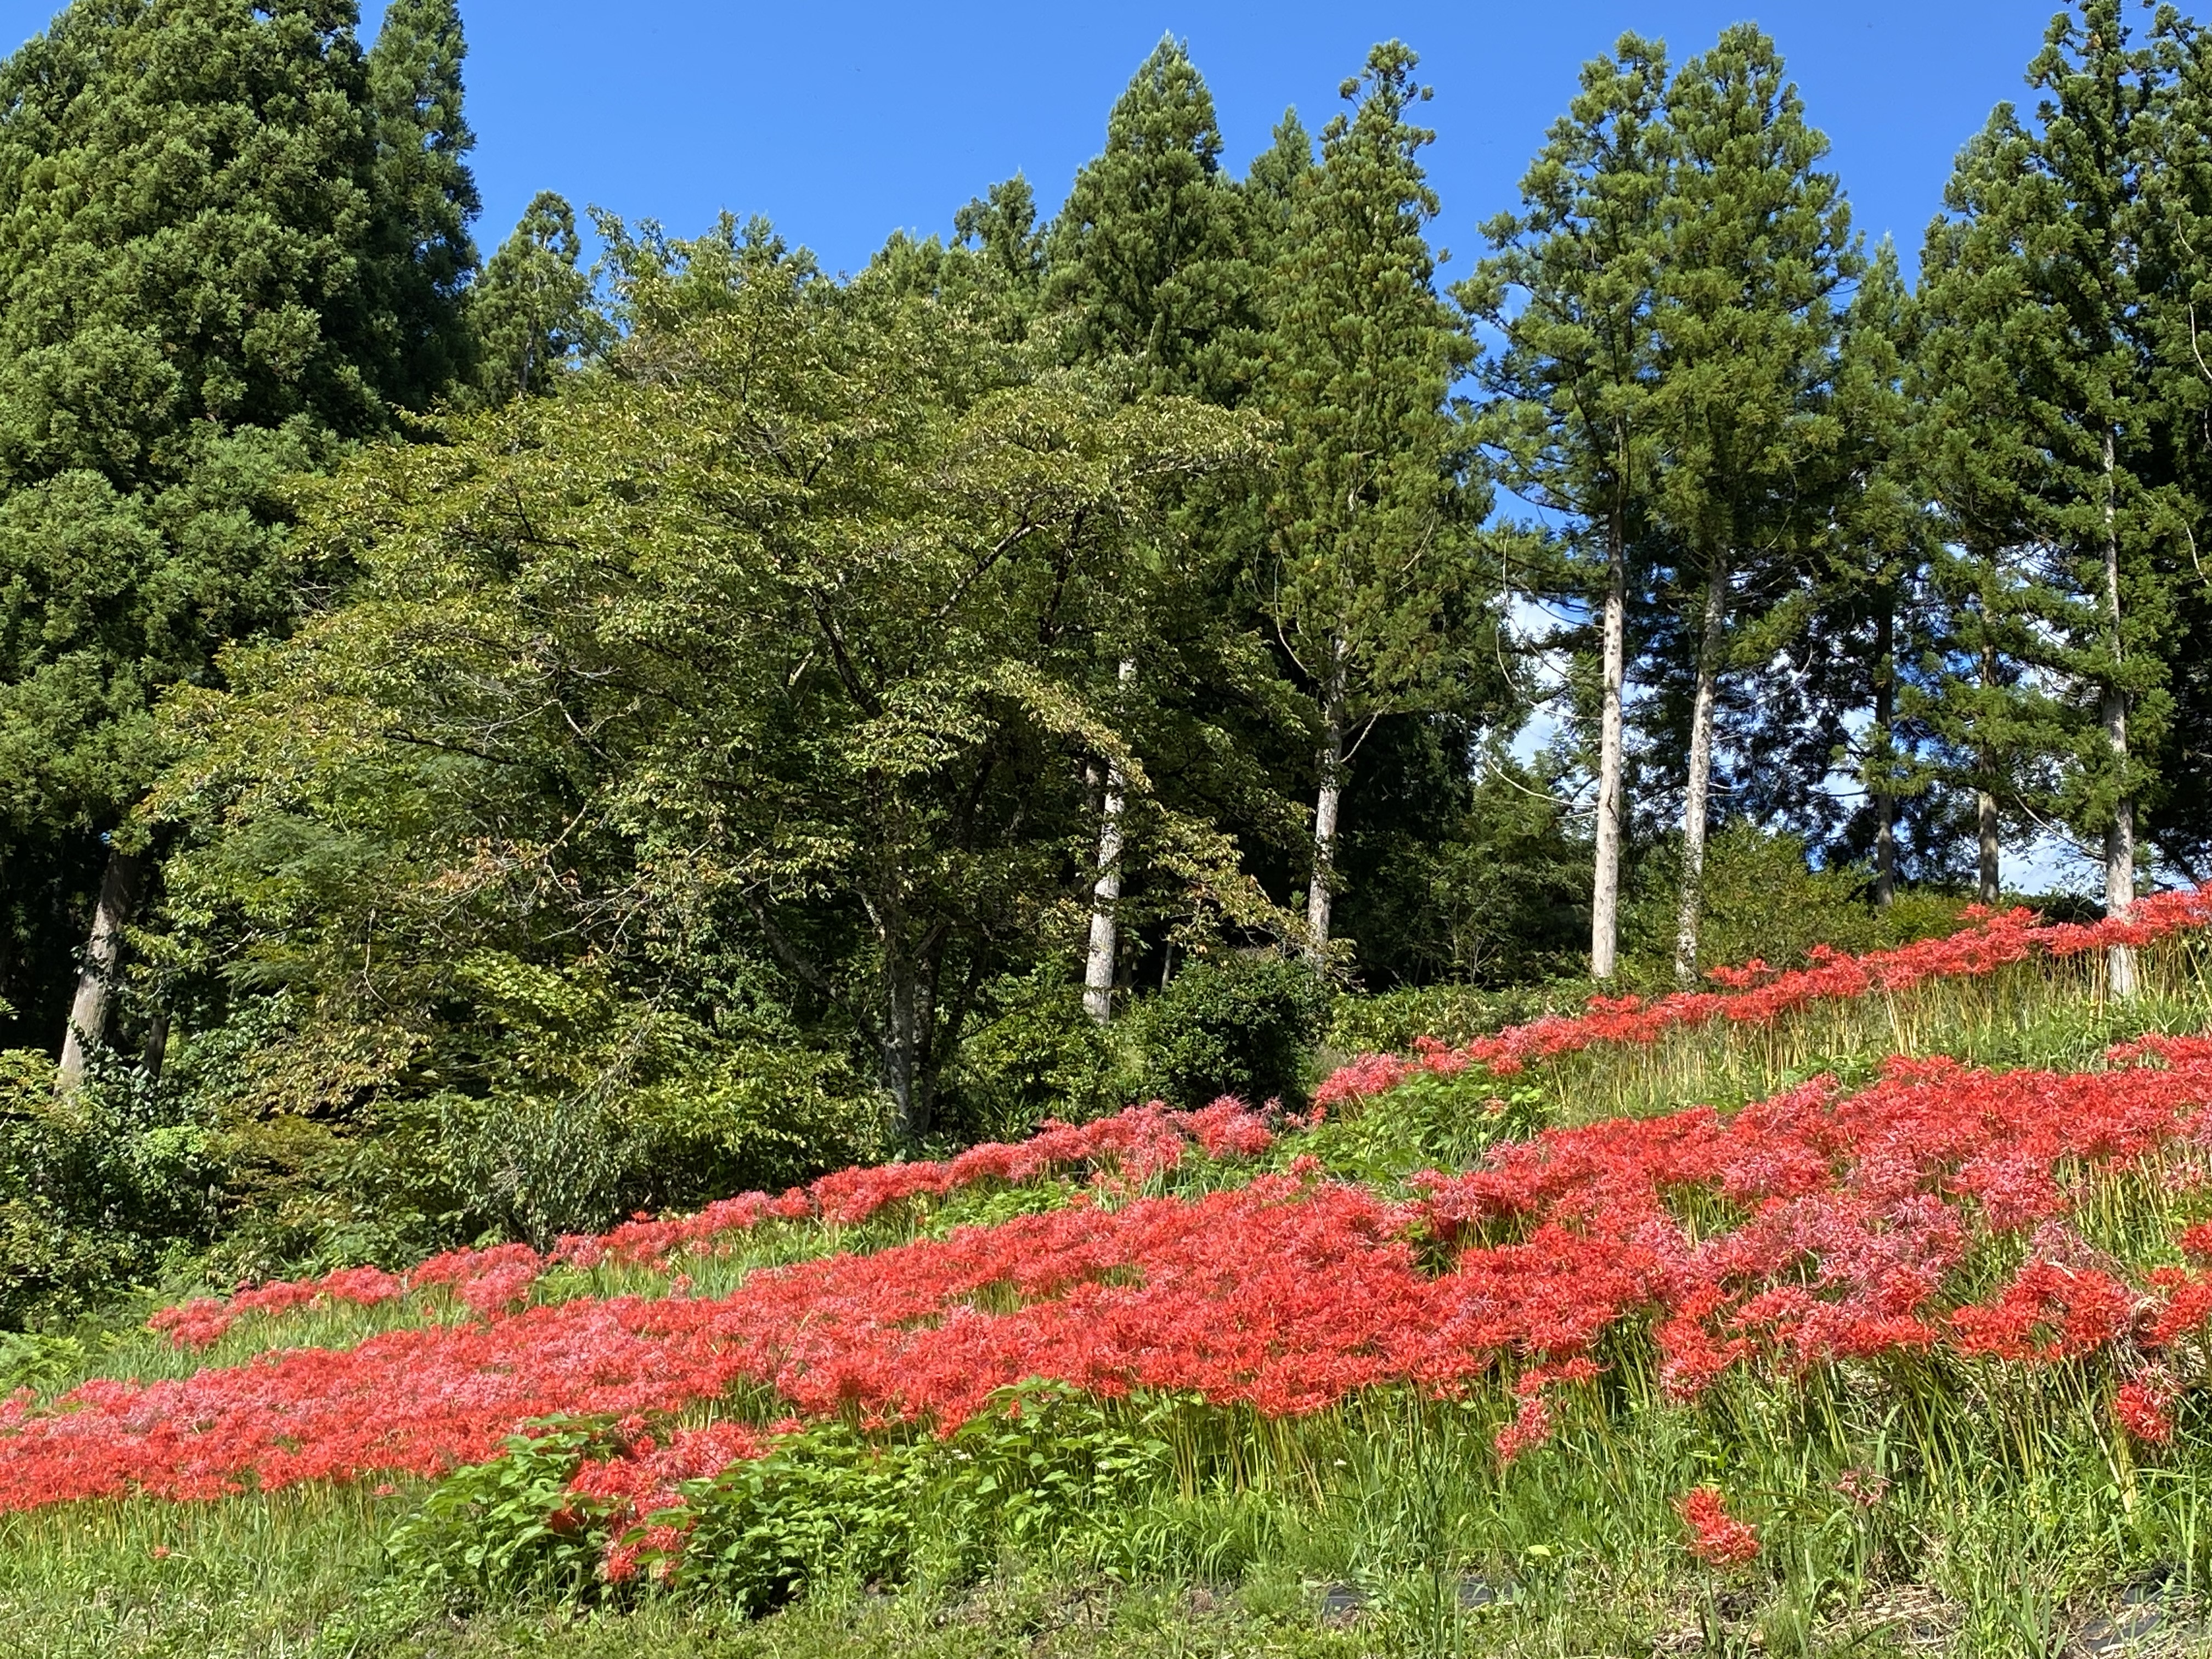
x=1942, y=1216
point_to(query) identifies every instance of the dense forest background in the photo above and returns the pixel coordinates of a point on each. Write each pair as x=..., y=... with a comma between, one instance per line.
x=494, y=743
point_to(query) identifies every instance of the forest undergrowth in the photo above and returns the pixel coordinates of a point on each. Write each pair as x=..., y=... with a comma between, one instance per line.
x=1862, y=1308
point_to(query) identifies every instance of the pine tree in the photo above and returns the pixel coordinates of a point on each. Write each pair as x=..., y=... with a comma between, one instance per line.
x=1756, y=247
x=2177, y=184
x=1271, y=189
x=425, y=197
x=1848, y=639
x=1984, y=696
x=1571, y=289
x=1372, y=509
x=1868, y=621
x=531, y=311
x=2094, y=407
x=2047, y=269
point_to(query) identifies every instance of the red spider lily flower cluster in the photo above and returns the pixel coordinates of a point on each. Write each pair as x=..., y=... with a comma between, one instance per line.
x=1717, y=1538
x=1755, y=994
x=1815, y=1225
x=1128, y=1148
x=2143, y=1406
x=645, y=1475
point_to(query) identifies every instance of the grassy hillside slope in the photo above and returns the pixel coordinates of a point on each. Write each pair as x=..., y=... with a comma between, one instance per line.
x=1857, y=1311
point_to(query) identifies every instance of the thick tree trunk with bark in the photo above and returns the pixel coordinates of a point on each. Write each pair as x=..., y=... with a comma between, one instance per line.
x=1695, y=796
x=1885, y=726
x=2120, y=837
x=1100, y=958
x=1326, y=801
x=102, y=975
x=1612, y=813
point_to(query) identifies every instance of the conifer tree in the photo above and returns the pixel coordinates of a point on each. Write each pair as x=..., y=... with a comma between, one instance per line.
x=1983, y=693
x=1148, y=271
x=1271, y=186
x=1001, y=225
x=197, y=313
x=531, y=311
x=2176, y=182
x=1571, y=289
x=1147, y=259
x=1866, y=621
x=1846, y=641
x=2096, y=412
x=1756, y=246
x=2056, y=281
x=425, y=197
x=1371, y=508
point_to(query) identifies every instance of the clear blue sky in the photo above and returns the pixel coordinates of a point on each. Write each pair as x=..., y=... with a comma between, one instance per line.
x=844, y=119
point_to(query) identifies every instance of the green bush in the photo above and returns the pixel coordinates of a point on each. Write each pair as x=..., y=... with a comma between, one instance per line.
x=1427, y=1122
x=533, y=1166
x=96, y=1187
x=1762, y=900
x=1036, y=1053
x=1046, y=1468
x=508, y=1528
x=1234, y=1026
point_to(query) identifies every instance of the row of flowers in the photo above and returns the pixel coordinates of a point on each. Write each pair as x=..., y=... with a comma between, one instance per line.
x=1129, y=1148
x=1757, y=995
x=1816, y=1225
x=1147, y=1139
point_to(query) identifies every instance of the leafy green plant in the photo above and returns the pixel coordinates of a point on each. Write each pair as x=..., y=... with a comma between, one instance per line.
x=509, y=1528
x=1428, y=1122
x=1234, y=1026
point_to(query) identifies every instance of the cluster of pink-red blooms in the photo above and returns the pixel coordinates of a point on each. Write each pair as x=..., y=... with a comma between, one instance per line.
x=1129, y=1147
x=1756, y=994
x=1820, y=1225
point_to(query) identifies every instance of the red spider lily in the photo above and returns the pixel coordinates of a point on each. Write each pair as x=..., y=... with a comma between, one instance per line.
x=1717, y=1538
x=2143, y=1406
x=1847, y=1217
x=1134, y=1145
x=1757, y=995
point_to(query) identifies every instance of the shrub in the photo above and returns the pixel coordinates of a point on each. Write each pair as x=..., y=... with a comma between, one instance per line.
x=1392, y=1022
x=1235, y=1025
x=1762, y=899
x=1035, y=1055
x=95, y=1186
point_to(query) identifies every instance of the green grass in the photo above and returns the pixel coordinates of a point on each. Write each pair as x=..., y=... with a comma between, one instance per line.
x=2017, y=1522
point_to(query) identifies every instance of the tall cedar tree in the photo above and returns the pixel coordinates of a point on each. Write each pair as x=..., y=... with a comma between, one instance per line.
x=2177, y=181
x=1983, y=692
x=995, y=260
x=197, y=250
x=1372, y=509
x=2050, y=440
x=1146, y=268
x=2093, y=406
x=1867, y=627
x=1757, y=245
x=1571, y=288
x=425, y=199
x=531, y=311
x=1826, y=706
x=1147, y=261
